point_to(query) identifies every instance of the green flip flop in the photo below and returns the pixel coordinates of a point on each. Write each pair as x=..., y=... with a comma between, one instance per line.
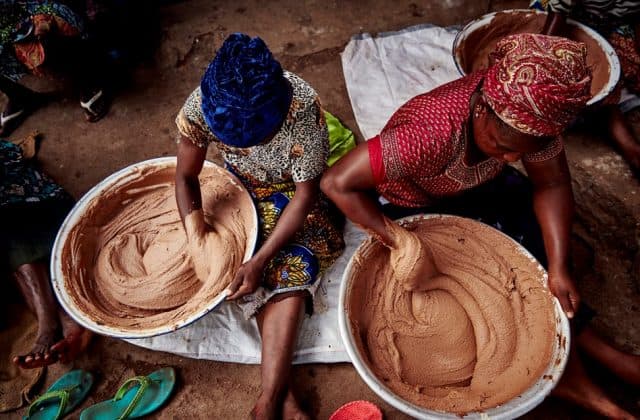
x=136, y=397
x=62, y=397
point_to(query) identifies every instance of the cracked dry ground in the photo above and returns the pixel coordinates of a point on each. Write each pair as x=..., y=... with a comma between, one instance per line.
x=307, y=36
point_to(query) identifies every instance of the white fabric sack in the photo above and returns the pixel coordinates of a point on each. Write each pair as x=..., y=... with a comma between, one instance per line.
x=383, y=72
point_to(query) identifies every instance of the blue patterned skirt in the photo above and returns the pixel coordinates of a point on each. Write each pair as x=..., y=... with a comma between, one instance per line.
x=298, y=265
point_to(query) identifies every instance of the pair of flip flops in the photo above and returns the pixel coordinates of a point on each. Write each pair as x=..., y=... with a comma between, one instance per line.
x=136, y=397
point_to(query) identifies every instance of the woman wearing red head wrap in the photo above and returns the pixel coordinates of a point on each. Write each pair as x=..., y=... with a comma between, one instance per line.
x=462, y=134
x=446, y=151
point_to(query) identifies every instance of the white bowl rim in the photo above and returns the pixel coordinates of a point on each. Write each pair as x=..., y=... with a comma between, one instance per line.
x=516, y=407
x=57, y=276
x=614, y=62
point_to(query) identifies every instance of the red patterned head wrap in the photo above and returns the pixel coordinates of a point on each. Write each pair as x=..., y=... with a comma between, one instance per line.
x=538, y=83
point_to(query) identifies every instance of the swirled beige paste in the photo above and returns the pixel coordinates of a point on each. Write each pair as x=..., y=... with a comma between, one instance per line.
x=480, y=334
x=128, y=264
x=475, y=49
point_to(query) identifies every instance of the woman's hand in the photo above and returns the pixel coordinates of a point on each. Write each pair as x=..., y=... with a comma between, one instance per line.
x=553, y=205
x=247, y=279
x=200, y=238
x=564, y=288
x=291, y=221
x=411, y=258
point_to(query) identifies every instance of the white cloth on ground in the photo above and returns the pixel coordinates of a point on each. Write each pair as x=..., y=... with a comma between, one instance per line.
x=385, y=71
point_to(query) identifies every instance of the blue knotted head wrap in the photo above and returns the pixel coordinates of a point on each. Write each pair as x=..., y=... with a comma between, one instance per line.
x=245, y=96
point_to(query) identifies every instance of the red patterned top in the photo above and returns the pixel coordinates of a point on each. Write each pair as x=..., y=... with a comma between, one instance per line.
x=418, y=156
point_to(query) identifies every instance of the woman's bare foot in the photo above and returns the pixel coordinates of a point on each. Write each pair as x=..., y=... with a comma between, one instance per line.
x=33, y=281
x=291, y=410
x=576, y=387
x=59, y=337
x=265, y=409
x=41, y=354
x=75, y=339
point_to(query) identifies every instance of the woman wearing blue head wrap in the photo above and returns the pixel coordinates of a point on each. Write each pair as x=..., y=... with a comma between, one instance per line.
x=271, y=130
x=245, y=96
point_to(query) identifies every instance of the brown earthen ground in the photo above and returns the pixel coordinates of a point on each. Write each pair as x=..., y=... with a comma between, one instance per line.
x=307, y=36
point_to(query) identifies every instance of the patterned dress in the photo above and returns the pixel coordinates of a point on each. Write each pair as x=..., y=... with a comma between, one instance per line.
x=297, y=153
x=418, y=158
x=20, y=51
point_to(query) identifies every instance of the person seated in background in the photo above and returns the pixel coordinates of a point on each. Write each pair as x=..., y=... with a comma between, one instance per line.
x=32, y=208
x=446, y=151
x=46, y=37
x=618, y=21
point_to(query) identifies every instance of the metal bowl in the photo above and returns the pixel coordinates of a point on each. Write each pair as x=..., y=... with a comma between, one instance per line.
x=485, y=20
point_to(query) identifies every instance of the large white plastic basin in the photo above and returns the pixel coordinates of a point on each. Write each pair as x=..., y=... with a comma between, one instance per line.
x=518, y=406
x=58, y=279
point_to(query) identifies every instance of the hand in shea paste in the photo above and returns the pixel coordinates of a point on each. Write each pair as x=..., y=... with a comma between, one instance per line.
x=129, y=263
x=411, y=258
x=202, y=243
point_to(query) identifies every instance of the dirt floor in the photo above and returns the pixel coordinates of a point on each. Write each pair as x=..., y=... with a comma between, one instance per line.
x=308, y=36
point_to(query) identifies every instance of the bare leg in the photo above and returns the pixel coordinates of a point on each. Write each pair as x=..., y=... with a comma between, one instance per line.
x=33, y=281
x=622, y=135
x=75, y=338
x=576, y=387
x=53, y=322
x=279, y=322
x=624, y=365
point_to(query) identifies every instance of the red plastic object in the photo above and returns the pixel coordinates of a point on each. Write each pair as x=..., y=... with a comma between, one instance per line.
x=357, y=410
